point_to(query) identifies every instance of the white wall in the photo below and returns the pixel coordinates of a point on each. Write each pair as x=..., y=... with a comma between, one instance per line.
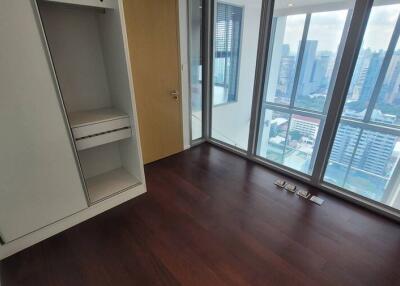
x=230, y=122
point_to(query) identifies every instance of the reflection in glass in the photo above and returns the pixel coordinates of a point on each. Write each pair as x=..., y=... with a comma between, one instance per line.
x=195, y=45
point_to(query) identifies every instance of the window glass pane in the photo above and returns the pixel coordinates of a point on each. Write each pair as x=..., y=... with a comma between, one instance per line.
x=365, y=155
x=288, y=140
x=363, y=164
x=287, y=36
x=196, y=39
x=375, y=43
x=274, y=135
x=303, y=133
x=228, y=26
x=320, y=52
x=236, y=31
x=387, y=108
x=301, y=69
x=341, y=154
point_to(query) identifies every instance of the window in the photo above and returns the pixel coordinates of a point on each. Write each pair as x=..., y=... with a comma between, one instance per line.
x=303, y=83
x=228, y=26
x=365, y=154
x=196, y=67
x=235, y=39
x=304, y=53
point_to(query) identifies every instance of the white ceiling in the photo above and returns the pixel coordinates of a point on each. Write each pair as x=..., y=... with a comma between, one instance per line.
x=282, y=4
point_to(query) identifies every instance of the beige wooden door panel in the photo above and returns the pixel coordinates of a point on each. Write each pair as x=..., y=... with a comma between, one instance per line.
x=152, y=28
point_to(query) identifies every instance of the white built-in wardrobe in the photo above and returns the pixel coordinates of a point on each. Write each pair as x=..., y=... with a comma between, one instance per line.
x=69, y=145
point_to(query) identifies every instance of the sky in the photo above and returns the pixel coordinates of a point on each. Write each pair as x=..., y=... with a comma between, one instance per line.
x=327, y=27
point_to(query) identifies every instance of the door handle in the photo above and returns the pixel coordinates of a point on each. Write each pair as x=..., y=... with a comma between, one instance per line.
x=1, y=241
x=175, y=94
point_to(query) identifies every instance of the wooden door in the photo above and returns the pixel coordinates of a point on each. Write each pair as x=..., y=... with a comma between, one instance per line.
x=152, y=27
x=39, y=177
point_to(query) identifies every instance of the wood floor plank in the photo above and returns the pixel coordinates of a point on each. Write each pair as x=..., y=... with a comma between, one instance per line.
x=213, y=218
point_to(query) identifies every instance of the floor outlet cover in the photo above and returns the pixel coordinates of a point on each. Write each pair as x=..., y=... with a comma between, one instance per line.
x=317, y=200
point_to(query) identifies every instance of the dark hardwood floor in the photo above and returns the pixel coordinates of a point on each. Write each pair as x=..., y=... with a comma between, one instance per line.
x=213, y=218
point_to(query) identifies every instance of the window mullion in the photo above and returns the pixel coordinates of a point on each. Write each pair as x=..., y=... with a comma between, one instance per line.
x=226, y=51
x=383, y=71
x=390, y=195
x=286, y=138
x=263, y=50
x=209, y=56
x=300, y=59
x=318, y=139
x=352, y=157
x=359, y=20
x=372, y=126
x=287, y=109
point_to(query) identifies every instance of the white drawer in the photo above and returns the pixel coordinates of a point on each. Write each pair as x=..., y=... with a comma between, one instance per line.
x=97, y=127
x=101, y=127
x=101, y=139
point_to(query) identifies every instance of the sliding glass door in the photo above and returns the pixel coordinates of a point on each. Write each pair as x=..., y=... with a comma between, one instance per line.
x=365, y=155
x=305, y=49
x=235, y=38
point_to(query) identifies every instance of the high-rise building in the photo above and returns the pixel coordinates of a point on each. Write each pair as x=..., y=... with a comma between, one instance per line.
x=307, y=126
x=371, y=76
x=373, y=153
x=359, y=70
x=307, y=67
x=286, y=75
x=319, y=74
x=390, y=90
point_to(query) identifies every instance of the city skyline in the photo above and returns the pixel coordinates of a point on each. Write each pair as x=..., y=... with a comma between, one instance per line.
x=380, y=27
x=314, y=80
x=361, y=160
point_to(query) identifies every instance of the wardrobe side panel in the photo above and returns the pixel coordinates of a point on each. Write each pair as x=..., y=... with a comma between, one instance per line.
x=39, y=177
x=113, y=37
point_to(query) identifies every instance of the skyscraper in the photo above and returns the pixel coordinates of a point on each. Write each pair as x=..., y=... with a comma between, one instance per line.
x=371, y=76
x=305, y=80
